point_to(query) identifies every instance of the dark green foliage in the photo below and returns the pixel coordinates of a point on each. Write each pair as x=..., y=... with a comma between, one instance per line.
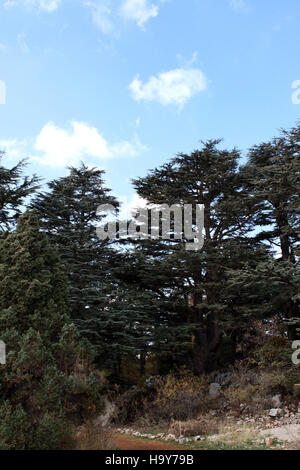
x=144, y=300
x=196, y=280
x=69, y=215
x=14, y=189
x=47, y=364
x=272, y=177
x=110, y=313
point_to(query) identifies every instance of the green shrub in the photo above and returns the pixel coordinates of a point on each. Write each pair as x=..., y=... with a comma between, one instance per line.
x=15, y=427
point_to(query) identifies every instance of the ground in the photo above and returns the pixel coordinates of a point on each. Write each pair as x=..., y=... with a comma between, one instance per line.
x=282, y=437
x=124, y=442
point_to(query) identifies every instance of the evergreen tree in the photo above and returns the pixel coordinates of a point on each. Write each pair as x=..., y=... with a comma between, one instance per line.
x=106, y=310
x=68, y=213
x=151, y=286
x=14, y=189
x=197, y=280
x=273, y=174
x=273, y=180
x=46, y=379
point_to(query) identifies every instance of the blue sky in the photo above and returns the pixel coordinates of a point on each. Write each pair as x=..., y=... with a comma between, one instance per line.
x=126, y=84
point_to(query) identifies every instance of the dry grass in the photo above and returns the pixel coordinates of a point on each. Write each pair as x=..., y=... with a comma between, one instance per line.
x=233, y=434
x=194, y=427
x=91, y=437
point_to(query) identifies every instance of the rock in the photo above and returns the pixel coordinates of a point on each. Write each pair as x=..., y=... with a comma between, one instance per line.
x=214, y=389
x=181, y=440
x=170, y=437
x=184, y=440
x=269, y=441
x=276, y=401
x=197, y=438
x=213, y=438
x=274, y=412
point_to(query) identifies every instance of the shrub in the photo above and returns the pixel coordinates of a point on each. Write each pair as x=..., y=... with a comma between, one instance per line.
x=15, y=427
x=51, y=433
x=181, y=397
x=194, y=427
x=93, y=438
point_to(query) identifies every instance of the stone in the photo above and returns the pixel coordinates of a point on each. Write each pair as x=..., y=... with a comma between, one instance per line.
x=274, y=412
x=276, y=401
x=214, y=390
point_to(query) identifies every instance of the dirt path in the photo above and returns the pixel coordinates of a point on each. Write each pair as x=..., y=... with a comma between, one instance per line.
x=124, y=442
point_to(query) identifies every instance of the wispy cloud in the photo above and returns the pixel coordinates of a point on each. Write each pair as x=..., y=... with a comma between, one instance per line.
x=45, y=5
x=104, y=12
x=23, y=43
x=139, y=11
x=101, y=14
x=187, y=63
x=173, y=87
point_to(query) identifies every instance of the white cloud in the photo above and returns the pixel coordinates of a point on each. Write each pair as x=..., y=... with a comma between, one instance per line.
x=14, y=149
x=101, y=14
x=140, y=11
x=45, y=5
x=60, y=147
x=173, y=87
x=129, y=207
x=104, y=12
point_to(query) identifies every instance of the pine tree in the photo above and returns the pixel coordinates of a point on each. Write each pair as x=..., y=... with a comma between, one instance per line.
x=106, y=310
x=40, y=383
x=14, y=189
x=68, y=213
x=196, y=281
x=272, y=178
x=273, y=174
x=151, y=291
